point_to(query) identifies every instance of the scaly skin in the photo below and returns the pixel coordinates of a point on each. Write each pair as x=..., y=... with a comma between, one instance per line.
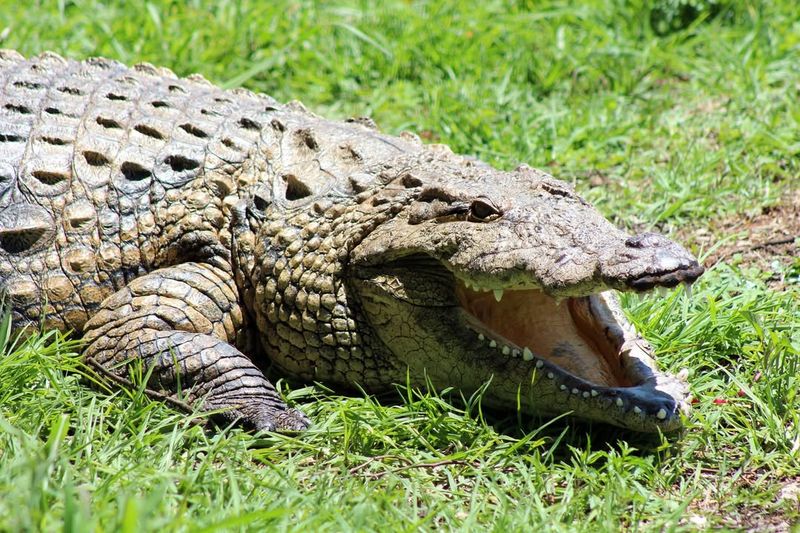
x=202, y=233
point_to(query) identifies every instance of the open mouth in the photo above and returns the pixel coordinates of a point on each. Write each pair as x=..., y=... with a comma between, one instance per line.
x=585, y=347
x=546, y=355
x=528, y=323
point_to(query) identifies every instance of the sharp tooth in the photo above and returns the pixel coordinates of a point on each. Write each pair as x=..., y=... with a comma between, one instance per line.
x=539, y=364
x=619, y=402
x=637, y=410
x=687, y=290
x=661, y=414
x=575, y=391
x=586, y=394
x=562, y=387
x=498, y=294
x=506, y=350
x=663, y=291
x=527, y=354
x=515, y=353
x=550, y=375
x=594, y=393
x=481, y=336
x=493, y=343
x=683, y=375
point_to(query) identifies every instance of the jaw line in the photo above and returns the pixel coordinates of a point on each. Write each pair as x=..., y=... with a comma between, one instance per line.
x=654, y=403
x=651, y=401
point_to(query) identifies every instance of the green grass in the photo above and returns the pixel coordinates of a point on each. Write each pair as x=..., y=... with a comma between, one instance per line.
x=661, y=116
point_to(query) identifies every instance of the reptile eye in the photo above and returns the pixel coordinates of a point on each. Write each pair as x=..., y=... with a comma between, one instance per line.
x=483, y=210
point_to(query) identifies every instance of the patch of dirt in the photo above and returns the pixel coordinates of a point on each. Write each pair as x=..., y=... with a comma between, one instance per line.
x=753, y=240
x=777, y=516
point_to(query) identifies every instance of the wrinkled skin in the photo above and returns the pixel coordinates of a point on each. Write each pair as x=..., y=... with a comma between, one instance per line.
x=205, y=233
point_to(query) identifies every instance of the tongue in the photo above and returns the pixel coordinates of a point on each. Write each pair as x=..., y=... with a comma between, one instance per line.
x=564, y=334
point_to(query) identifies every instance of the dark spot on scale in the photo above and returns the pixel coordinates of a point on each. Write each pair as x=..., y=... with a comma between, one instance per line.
x=296, y=189
x=144, y=129
x=18, y=242
x=52, y=111
x=260, y=202
x=115, y=96
x=193, y=130
x=21, y=109
x=70, y=90
x=230, y=144
x=49, y=178
x=55, y=141
x=350, y=153
x=410, y=181
x=306, y=137
x=24, y=84
x=108, y=123
x=367, y=122
x=180, y=163
x=24, y=228
x=277, y=125
x=249, y=124
x=9, y=138
x=95, y=159
x=159, y=103
x=134, y=171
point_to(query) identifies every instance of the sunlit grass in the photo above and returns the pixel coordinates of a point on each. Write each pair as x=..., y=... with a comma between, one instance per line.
x=657, y=129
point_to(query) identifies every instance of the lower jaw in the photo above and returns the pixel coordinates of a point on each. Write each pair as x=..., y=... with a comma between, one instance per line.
x=634, y=395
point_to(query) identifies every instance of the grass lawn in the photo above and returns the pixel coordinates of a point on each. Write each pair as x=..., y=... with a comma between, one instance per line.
x=668, y=117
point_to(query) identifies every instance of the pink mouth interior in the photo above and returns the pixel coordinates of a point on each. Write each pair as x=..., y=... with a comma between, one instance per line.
x=566, y=334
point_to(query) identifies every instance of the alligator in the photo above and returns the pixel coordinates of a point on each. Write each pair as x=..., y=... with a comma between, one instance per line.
x=193, y=236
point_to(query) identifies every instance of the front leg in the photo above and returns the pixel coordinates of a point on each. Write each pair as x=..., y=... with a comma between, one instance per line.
x=180, y=323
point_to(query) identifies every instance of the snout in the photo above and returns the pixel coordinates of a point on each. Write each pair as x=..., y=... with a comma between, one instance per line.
x=650, y=260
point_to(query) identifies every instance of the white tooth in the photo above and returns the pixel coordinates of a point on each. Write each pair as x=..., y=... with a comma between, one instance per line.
x=506, y=350
x=498, y=294
x=619, y=402
x=550, y=375
x=661, y=414
x=575, y=391
x=563, y=387
x=586, y=394
x=637, y=410
x=663, y=291
x=493, y=343
x=527, y=355
x=687, y=290
x=683, y=375
x=539, y=363
x=594, y=393
x=515, y=353
x=481, y=336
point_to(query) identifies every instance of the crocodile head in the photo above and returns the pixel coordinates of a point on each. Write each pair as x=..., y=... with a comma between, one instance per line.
x=511, y=278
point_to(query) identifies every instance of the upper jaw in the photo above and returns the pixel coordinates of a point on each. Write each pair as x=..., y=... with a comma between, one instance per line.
x=686, y=274
x=647, y=261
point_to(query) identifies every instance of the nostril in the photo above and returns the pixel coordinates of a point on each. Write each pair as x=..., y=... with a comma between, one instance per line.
x=644, y=240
